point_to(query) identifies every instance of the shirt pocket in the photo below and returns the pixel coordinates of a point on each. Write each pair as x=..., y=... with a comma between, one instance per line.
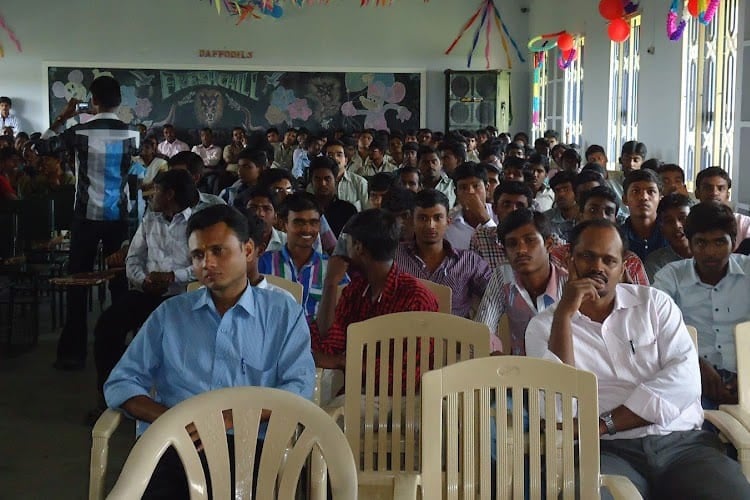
x=641, y=357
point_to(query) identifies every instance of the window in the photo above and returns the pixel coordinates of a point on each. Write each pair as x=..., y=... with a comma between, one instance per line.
x=557, y=96
x=709, y=70
x=624, y=63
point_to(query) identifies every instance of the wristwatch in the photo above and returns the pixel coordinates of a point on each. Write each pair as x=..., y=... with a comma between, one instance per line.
x=608, y=423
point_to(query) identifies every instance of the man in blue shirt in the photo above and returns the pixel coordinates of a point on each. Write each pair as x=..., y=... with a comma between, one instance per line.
x=642, y=192
x=227, y=334
x=711, y=290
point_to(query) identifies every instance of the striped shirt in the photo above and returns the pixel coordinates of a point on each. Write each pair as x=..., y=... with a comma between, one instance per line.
x=463, y=271
x=310, y=276
x=506, y=295
x=103, y=148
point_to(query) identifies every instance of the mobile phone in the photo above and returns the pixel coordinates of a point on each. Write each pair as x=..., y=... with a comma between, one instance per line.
x=82, y=106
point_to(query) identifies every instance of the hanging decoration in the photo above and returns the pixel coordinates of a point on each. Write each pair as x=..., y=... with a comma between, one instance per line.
x=536, y=91
x=489, y=14
x=4, y=26
x=566, y=59
x=618, y=30
x=617, y=12
x=379, y=3
x=675, y=29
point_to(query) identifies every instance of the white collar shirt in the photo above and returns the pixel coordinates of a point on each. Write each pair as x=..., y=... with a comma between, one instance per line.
x=459, y=232
x=642, y=355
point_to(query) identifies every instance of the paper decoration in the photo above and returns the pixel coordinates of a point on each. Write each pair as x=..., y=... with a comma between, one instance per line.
x=490, y=14
x=4, y=26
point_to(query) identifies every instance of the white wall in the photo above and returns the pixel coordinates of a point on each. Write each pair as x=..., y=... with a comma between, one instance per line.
x=660, y=72
x=409, y=34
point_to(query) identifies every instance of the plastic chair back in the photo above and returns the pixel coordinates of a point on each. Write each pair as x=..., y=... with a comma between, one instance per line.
x=693, y=335
x=296, y=430
x=466, y=405
x=742, y=347
x=386, y=441
x=193, y=286
x=443, y=293
x=292, y=287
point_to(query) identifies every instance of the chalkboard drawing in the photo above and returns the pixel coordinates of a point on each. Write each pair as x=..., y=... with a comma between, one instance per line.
x=286, y=107
x=378, y=100
x=143, y=107
x=324, y=95
x=72, y=89
x=209, y=106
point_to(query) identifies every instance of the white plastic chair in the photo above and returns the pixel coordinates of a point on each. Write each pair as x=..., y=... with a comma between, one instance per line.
x=385, y=441
x=462, y=402
x=297, y=429
x=443, y=293
x=290, y=286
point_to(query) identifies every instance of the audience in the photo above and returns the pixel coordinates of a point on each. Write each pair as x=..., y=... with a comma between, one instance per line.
x=431, y=257
x=323, y=173
x=714, y=184
x=433, y=176
x=642, y=190
x=562, y=216
x=171, y=145
x=472, y=210
x=672, y=214
x=350, y=187
x=250, y=165
x=543, y=194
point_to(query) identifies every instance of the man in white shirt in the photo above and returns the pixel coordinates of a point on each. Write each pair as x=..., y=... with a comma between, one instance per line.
x=634, y=340
x=209, y=152
x=472, y=211
x=6, y=119
x=171, y=145
x=349, y=186
x=157, y=266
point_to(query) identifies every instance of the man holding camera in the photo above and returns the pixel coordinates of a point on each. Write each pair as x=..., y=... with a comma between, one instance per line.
x=103, y=147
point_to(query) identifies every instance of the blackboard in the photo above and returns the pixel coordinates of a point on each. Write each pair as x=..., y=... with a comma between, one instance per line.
x=256, y=100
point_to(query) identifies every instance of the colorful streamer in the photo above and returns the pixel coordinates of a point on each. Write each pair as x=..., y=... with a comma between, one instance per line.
x=11, y=35
x=489, y=13
x=675, y=29
x=708, y=15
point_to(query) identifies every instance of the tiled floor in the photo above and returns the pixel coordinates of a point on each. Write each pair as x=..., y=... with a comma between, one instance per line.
x=44, y=440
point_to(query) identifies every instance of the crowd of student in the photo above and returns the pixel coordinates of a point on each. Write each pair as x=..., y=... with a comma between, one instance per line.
x=567, y=251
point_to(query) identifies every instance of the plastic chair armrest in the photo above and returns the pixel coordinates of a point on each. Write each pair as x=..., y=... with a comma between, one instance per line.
x=620, y=487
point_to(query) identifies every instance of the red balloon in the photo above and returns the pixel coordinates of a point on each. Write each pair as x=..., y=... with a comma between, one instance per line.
x=611, y=9
x=693, y=8
x=618, y=30
x=565, y=42
x=566, y=55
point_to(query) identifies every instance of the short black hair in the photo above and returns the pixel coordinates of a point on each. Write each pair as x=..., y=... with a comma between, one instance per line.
x=521, y=217
x=106, y=91
x=494, y=148
x=379, y=145
x=272, y=130
x=537, y=159
x=672, y=167
x=204, y=129
x=595, y=167
x=182, y=184
x=709, y=216
x=261, y=192
x=552, y=133
x=299, y=202
x=273, y=175
x=515, y=188
x=634, y=148
x=216, y=214
x=641, y=176
x=378, y=231
x=410, y=170
x=594, y=148
x=467, y=170
x=578, y=230
x=397, y=199
x=456, y=148
x=601, y=191
x=192, y=161
x=382, y=181
x=9, y=152
x=587, y=176
x=323, y=163
x=673, y=200
x=255, y=227
x=712, y=172
x=562, y=177
x=652, y=164
x=256, y=156
x=311, y=138
x=6, y=100
x=425, y=150
x=513, y=162
x=334, y=142
x=428, y=198
x=571, y=154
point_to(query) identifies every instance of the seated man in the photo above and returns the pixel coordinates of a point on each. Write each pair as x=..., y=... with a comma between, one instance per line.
x=350, y=187
x=410, y=178
x=672, y=213
x=508, y=196
x=713, y=184
x=529, y=284
x=376, y=162
x=313, y=146
x=171, y=145
x=433, y=177
x=513, y=169
x=452, y=155
x=400, y=203
x=601, y=203
x=381, y=287
x=543, y=194
x=185, y=160
x=429, y=256
x=711, y=290
x=262, y=203
x=226, y=335
x=323, y=172
x=157, y=266
x=377, y=188
x=229, y=155
x=298, y=260
x=634, y=340
x=562, y=217
x=209, y=152
x=472, y=211
x=410, y=155
x=250, y=165
x=642, y=194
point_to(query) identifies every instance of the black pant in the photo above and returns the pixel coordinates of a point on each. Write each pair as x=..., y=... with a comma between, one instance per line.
x=169, y=481
x=84, y=241
x=127, y=313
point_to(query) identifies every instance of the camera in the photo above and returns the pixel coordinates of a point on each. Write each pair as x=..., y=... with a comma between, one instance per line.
x=82, y=107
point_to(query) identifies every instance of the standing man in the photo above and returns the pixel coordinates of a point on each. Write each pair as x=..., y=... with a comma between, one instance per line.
x=431, y=257
x=634, y=340
x=103, y=149
x=6, y=119
x=228, y=334
x=171, y=145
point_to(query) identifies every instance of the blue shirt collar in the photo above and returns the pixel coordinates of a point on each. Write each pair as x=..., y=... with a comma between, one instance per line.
x=246, y=300
x=314, y=258
x=691, y=276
